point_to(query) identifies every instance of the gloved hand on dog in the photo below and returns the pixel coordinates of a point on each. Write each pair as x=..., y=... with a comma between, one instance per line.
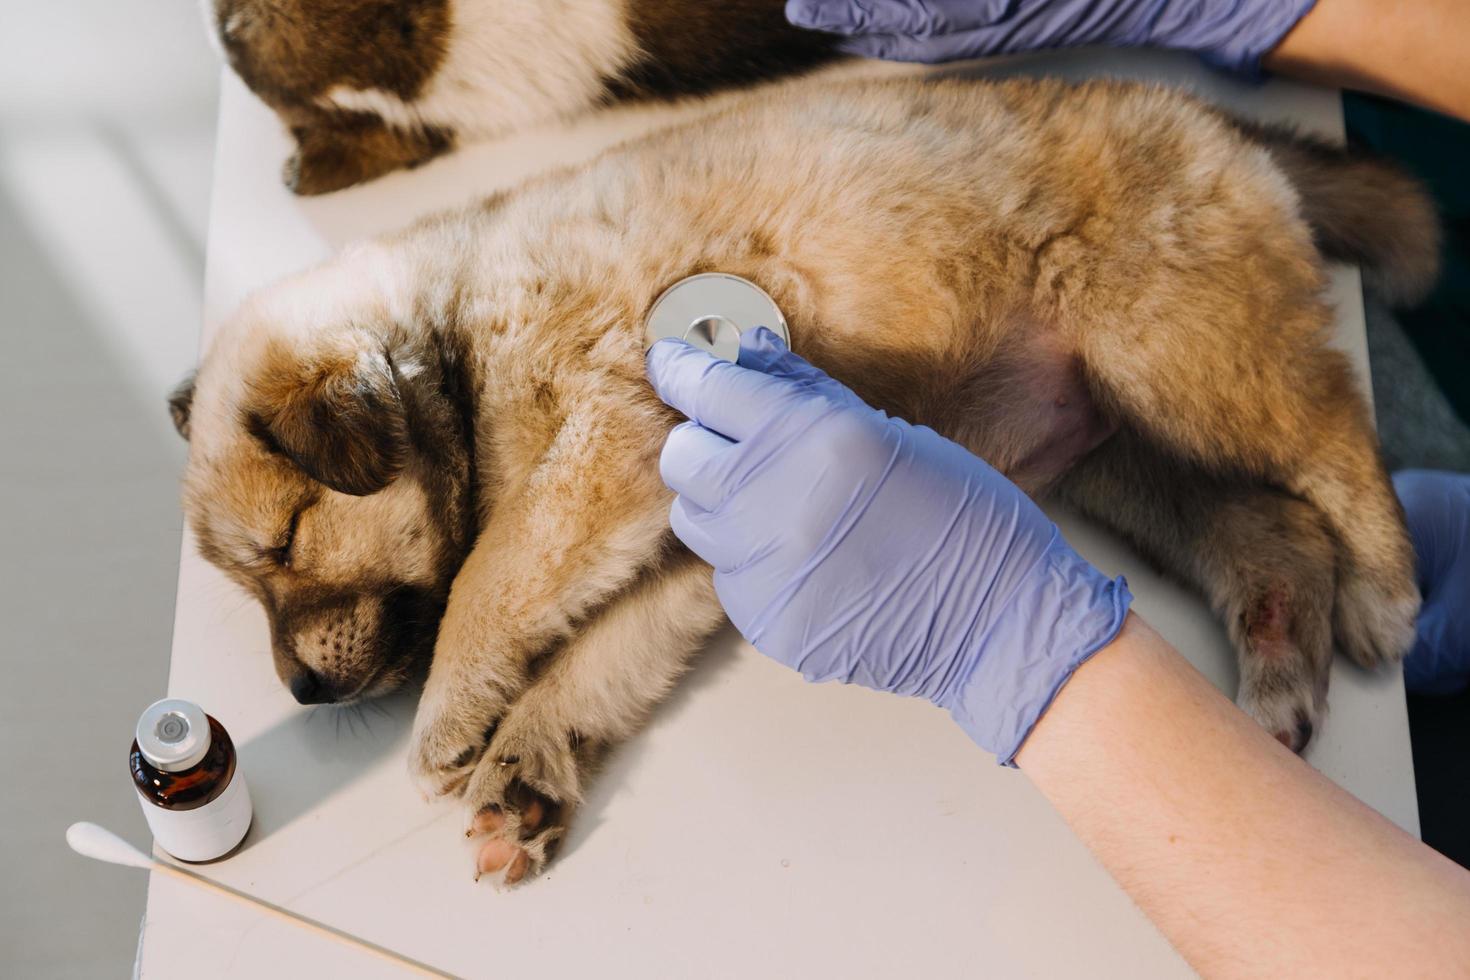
x=859, y=548
x=1230, y=34
x=1438, y=509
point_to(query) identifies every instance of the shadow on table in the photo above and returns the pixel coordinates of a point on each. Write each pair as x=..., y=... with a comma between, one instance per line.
x=710, y=670
x=337, y=745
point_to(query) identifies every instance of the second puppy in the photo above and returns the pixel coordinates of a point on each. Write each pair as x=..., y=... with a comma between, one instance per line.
x=371, y=86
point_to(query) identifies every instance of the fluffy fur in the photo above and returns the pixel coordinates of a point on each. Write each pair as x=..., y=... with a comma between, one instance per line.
x=1108, y=290
x=369, y=86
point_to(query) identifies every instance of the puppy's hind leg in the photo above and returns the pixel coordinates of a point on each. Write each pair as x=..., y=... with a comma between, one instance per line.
x=595, y=692
x=1263, y=559
x=1282, y=408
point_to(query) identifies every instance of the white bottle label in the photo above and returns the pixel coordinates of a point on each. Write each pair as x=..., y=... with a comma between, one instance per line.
x=205, y=832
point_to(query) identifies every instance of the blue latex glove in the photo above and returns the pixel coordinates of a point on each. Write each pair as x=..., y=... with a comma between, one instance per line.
x=859, y=548
x=1230, y=34
x=1438, y=509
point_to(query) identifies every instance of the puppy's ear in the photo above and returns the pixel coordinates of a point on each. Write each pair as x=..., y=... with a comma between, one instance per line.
x=181, y=404
x=338, y=415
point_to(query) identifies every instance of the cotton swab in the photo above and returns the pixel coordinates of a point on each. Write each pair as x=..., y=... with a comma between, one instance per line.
x=99, y=843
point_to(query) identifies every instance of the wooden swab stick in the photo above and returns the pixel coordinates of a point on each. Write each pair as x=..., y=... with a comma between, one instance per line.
x=90, y=840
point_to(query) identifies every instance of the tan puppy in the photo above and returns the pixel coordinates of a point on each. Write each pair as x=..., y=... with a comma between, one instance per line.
x=444, y=438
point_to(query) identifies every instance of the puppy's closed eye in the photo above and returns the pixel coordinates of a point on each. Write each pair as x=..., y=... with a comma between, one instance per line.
x=282, y=552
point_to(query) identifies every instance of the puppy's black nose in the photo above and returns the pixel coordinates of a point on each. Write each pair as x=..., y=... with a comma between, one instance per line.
x=307, y=688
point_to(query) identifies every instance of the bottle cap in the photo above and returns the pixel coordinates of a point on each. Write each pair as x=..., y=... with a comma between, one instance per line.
x=173, y=734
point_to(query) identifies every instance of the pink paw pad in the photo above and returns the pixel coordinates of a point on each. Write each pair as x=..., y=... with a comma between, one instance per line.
x=498, y=853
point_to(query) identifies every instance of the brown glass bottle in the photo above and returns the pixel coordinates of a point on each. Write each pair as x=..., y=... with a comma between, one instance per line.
x=193, y=787
x=189, y=784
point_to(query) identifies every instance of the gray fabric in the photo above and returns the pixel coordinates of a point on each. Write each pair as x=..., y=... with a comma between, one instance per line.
x=1416, y=425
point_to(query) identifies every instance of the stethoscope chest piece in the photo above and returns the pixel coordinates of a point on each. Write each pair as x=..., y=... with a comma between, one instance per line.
x=711, y=311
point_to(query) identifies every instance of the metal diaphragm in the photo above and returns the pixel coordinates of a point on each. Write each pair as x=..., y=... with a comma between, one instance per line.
x=711, y=311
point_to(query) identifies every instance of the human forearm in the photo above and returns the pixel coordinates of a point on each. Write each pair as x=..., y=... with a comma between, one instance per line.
x=1249, y=861
x=1419, y=52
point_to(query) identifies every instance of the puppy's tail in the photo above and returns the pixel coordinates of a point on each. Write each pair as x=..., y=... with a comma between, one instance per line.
x=1361, y=208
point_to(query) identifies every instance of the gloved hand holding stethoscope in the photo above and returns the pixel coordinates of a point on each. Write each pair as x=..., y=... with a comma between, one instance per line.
x=856, y=547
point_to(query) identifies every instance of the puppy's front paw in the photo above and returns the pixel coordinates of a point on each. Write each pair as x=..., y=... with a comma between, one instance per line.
x=309, y=172
x=521, y=794
x=448, y=740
